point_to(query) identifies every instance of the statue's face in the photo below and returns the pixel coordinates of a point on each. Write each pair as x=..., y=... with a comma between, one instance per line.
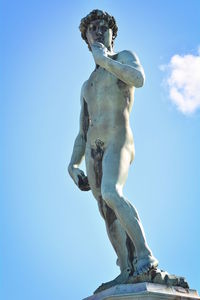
x=98, y=31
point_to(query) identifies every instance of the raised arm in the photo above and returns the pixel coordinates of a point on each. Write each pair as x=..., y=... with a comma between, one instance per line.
x=79, y=149
x=129, y=70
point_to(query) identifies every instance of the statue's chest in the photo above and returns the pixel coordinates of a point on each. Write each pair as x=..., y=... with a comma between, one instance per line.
x=99, y=83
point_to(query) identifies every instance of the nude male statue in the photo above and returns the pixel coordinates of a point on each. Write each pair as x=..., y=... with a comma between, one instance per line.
x=106, y=140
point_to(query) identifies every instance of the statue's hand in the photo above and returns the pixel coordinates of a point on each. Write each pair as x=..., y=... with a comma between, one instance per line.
x=100, y=52
x=80, y=179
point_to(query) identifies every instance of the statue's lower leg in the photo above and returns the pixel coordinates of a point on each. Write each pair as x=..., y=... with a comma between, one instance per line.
x=129, y=219
x=119, y=239
x=122, y=245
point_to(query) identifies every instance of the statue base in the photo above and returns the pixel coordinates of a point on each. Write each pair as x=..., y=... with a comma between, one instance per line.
x=145, y=290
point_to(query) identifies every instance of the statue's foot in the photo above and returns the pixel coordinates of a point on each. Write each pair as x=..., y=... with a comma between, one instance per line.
x=144, y=264
x=153, y=275
x=161, y=277
x=122, y=278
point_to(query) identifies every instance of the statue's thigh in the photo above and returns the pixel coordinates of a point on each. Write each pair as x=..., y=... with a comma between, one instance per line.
x=95, y=188
x=115, y=166
x=90, y=169
x=91, y=174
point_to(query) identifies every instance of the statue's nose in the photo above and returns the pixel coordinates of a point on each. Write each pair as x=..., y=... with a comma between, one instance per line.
x=99, y=32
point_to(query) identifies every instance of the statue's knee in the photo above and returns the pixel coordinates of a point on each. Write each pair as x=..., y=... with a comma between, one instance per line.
x=110, y=196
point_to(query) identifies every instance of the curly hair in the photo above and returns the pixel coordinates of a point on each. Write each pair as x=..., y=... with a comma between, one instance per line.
x=95, y=15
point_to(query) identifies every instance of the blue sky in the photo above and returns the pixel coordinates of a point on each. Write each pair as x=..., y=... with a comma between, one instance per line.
x=53, y=240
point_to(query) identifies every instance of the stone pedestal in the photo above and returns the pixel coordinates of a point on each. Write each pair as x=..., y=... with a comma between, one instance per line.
x=145, y=291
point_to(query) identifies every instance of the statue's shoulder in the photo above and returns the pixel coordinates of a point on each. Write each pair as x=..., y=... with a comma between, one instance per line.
x=127, y=56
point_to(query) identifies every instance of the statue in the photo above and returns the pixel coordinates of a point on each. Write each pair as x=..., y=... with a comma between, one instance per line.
x=106, y=140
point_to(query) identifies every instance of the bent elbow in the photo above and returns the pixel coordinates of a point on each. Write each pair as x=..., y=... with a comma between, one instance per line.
x=139, y=82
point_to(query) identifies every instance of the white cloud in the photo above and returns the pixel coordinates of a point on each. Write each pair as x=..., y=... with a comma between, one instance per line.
x=183, y=81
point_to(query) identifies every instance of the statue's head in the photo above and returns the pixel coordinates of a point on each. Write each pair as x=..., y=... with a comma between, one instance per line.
x=98, y=26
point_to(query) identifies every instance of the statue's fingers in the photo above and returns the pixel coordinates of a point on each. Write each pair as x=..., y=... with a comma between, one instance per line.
x=83, y=183
x=80, y=180
x=86, y=183
x=86, y=188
